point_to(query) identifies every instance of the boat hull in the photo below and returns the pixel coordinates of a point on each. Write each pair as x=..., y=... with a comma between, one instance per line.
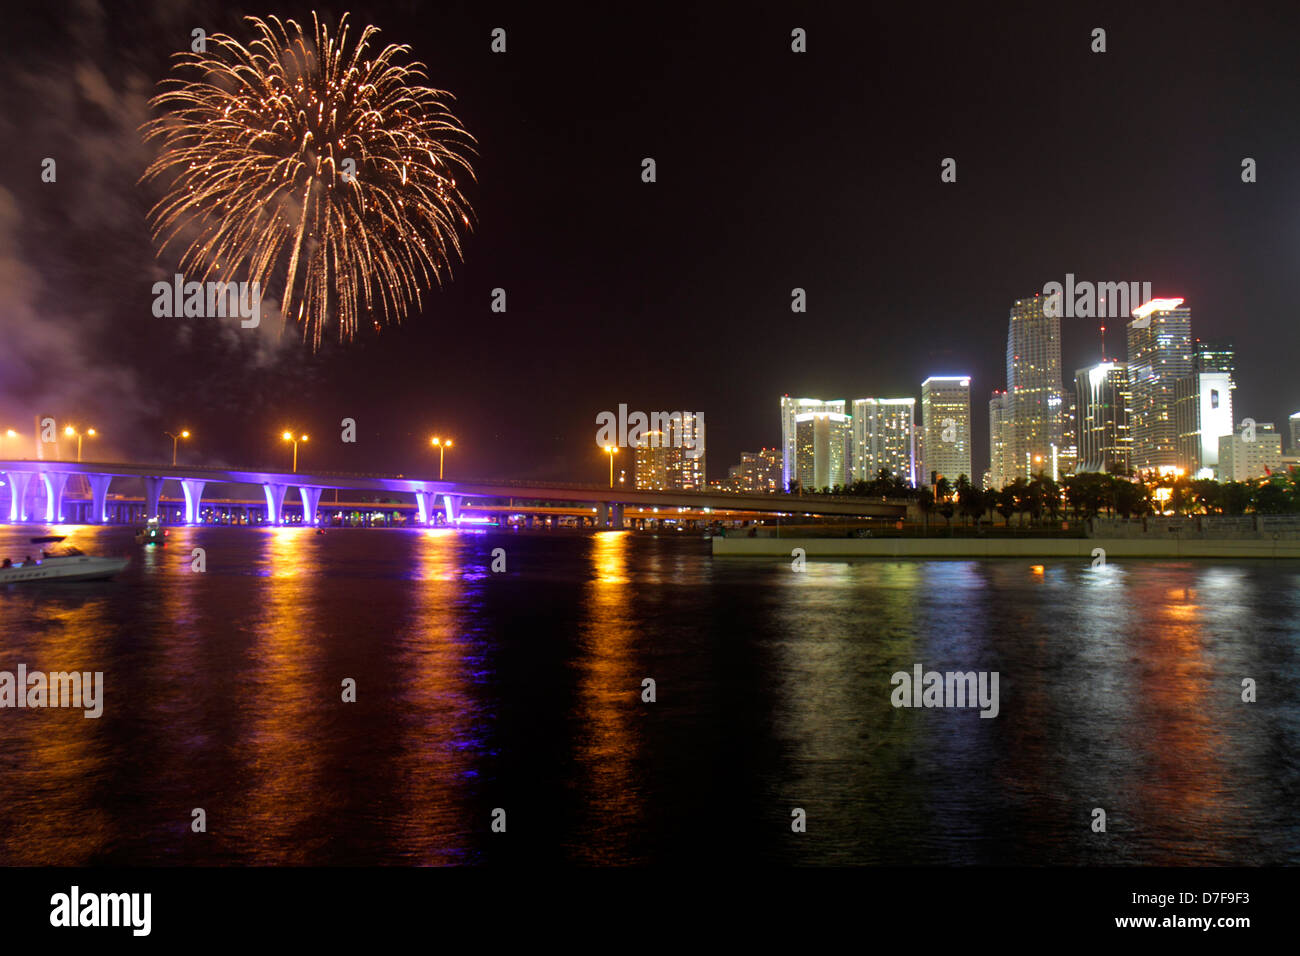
x=64, y=569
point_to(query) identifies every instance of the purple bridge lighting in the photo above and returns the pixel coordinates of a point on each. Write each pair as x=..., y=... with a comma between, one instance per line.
x=22, y=479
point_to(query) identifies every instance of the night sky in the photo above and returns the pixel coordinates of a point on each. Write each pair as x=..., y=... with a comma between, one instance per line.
x=775, y=170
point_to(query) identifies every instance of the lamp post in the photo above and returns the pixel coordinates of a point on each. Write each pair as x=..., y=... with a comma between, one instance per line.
x=70, y=431
x=611, y=450
x=288, y=436
x=442, y=447
x=175, y=439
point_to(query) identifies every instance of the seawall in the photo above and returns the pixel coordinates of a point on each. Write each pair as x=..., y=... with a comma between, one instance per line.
x=1009, y=547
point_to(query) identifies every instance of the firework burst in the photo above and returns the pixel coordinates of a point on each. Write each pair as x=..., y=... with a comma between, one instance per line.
x=322, y=171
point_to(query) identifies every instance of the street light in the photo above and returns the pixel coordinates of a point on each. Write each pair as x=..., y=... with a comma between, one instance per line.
x=70, y=431
x=611, y=450
x=175, y=439
x=442, y=447
x=288, y=436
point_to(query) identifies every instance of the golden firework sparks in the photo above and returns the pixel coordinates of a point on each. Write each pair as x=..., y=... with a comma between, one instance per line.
x=323, y=171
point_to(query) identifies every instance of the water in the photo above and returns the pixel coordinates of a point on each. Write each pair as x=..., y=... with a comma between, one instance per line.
x=1119, y=688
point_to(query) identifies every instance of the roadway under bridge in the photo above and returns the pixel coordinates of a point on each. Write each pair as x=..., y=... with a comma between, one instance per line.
x=46, y=491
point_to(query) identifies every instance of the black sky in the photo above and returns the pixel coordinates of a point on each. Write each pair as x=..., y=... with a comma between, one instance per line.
x=775, y=170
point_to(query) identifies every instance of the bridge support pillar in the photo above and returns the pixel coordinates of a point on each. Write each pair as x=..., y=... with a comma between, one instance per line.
x=451, y=507
x=424, y=503
x=602, y=514
x=99, y=498
x=310, y=499
x=55, y=482
x=618, y=517
x=193, y=490
x=152, y=492
x=274, y=501
x=18, y=482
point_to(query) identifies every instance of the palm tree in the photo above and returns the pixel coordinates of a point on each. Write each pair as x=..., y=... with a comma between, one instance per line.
x=925, y=498
x=972, y=503
x=962, y=489
x=1021, y=495
x=1050, y=493
x=943, y=498
x=1006, y=504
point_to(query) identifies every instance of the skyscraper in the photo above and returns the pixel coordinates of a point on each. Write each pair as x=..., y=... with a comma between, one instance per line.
x=823, y=443
x=1102, y=400
x=882, y=438
x=672, y=460
x=1295, y=433
x=1159, y=354
x=1203, y=406
x=1067, y=455
x=945, y=419
x=791, y=407
x=999, y=441
x=1035, y=395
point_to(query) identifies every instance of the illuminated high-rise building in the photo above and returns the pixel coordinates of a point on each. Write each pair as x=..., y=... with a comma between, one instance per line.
x=945, y=419
x=672, y=460
x=1159, y=354
x=1102, y=401
x=1067, y=455
x=1247, y=454
x=1214, y=355
x=651, y=463
x=1295, y=433
x=882, y=438
x=999, y=441
x=1203, y=407
x=1035, y=401
x=790, y=408
x=758, y=472
x=823, y=446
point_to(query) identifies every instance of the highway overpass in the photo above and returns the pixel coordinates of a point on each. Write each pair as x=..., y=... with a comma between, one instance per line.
x=26, y=479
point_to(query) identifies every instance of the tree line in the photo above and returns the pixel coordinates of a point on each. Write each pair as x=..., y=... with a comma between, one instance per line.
x=1089, y=495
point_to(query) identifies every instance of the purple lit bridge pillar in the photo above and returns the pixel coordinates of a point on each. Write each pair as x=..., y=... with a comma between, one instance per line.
x=193, y=489
x=424, y=501
x=451, y=507
x=18, y=482
x=310, y=499
x=55, y=482
x=274, y=501
x=602, y=514
x=152, y=492
x=99, y=497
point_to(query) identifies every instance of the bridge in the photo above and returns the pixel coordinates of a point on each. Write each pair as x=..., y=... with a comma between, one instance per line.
x=24, y=479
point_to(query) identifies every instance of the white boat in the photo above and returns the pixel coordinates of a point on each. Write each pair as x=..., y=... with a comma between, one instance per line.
x=62, y=564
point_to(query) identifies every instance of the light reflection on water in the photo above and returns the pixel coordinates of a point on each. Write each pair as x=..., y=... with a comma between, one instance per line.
x=1120, y=689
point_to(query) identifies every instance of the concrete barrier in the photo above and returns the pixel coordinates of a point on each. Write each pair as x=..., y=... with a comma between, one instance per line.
x=1006, y=547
